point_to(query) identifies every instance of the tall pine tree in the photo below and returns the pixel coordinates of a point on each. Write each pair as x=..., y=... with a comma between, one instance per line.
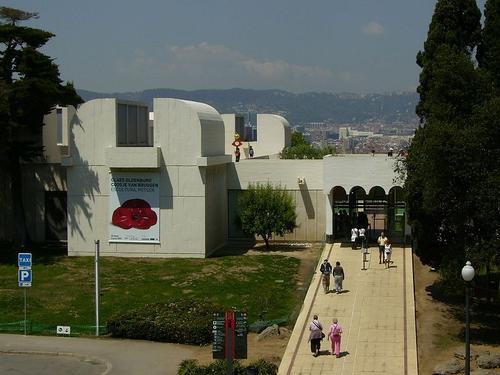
x=30, y=87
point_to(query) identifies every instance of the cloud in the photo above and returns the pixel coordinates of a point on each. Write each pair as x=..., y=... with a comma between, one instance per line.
x=212, y=61
x=204, y=53
x=206, y=65
x=373, y=28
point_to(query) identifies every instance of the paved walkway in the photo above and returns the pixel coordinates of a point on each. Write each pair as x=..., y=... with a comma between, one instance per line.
x=376, y=311
x=43, y=355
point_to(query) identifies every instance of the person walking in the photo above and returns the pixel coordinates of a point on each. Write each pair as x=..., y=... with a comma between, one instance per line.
x=381, y=247
x=316, y=335
x=388, y=252
x=326, y=270
x=354, y=237
x=338, y=276
x=362, y=237
x=334, y=335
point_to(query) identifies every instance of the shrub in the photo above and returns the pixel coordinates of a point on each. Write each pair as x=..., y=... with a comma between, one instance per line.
x=191, y=367
x=183, y=321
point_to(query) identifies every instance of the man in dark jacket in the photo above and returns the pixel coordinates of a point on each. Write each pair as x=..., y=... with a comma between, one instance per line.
x=326, y=270
x=338, y=276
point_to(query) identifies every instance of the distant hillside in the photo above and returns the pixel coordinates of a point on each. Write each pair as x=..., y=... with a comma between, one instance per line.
x=297, y=108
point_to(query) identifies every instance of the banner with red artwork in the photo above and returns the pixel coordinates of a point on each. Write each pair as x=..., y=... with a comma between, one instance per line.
x=134, y=207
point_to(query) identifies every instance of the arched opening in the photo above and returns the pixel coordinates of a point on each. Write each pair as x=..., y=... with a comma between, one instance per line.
x=357, y=207
x=376, y=211
x=396, y=214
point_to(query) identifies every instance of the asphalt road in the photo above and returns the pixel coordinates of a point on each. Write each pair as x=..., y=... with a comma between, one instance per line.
x=31, y=364
x=43, y=355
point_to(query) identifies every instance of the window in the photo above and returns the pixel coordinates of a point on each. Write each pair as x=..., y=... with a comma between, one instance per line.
x=59, y=126
x=132, y=125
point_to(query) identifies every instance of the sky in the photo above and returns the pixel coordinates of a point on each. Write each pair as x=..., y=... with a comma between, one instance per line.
x=358, y=46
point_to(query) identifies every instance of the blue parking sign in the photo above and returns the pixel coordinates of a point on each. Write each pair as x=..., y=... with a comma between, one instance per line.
x=24, y=260
x=24, y=278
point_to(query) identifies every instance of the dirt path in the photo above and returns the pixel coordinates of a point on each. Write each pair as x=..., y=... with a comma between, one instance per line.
x=436, y=328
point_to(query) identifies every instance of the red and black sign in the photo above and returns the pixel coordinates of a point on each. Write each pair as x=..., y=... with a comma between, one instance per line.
x=229, y=333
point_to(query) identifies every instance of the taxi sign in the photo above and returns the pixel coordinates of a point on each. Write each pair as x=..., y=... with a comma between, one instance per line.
x=24, y=261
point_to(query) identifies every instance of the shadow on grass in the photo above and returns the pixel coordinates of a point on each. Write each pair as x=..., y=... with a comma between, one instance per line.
x=43, y=253
x=484, y=309
x=284, y=247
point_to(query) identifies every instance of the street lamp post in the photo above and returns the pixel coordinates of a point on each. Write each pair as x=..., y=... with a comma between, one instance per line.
x=467, y=275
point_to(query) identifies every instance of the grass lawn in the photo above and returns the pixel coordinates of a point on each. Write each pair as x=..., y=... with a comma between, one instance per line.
x=63, y=287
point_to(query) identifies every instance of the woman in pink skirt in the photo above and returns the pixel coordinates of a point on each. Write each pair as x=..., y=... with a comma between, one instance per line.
x=334, y=336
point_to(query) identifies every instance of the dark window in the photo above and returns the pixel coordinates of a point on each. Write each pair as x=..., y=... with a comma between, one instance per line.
x=132, y=125
x=59, y=125
x=56, y=221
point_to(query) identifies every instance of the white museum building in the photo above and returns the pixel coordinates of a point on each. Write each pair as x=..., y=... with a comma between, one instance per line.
x=166, y=183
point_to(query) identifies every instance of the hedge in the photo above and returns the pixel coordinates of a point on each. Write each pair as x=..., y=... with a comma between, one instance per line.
x=191, y=367
x=183, y=321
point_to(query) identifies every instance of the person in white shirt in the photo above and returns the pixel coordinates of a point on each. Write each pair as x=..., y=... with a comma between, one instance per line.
x=362, y=237
x=354, y=237
x=381, y=247
x=388, y=252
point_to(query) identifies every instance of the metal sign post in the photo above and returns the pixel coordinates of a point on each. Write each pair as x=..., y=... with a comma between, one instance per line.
x=229, y=332
x=96, y=287
x=229, y=341
x=365, y=252
x=24, y=279
x=25, y=313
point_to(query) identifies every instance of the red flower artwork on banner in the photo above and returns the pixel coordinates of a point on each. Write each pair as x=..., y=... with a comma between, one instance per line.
x=134, y=213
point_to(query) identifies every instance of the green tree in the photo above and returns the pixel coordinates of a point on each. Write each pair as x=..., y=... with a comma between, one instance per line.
x=30, y=88
x=488, y=52
x=266, y=210
x=300, y=148
x=442, y=165
x=298, y=139
x=453, y=35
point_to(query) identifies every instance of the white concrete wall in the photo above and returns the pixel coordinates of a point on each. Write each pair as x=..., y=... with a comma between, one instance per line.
x=52, y=150
x=193, y=199
x=309, y=198
x=362, y=170
x=273, y=134
x=229, y=130
x=186, y=130
x=284, y=172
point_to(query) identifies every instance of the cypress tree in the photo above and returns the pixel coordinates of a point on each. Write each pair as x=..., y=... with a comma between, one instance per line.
x=438, y=167
x=454, y=33
x=488, y=52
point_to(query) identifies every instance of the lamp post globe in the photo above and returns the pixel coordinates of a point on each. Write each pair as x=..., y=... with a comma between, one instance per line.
x=468, y=272
x=467, y=275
